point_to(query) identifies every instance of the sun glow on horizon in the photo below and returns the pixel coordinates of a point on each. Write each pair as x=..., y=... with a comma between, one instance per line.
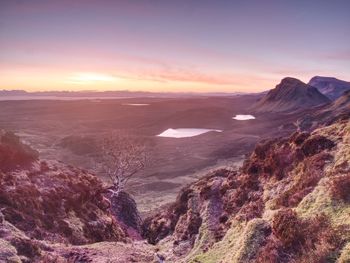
x=55, y=78
x=90, y=78
x=170, y=46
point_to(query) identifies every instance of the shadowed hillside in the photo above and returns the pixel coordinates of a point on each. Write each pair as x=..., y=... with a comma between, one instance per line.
x=331, y=87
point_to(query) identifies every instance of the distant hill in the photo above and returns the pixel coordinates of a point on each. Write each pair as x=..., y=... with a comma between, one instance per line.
x=290, y=95
x=22, y=94
x=331, y=87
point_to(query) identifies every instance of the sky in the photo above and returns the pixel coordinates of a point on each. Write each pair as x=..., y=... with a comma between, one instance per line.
x=166, y=45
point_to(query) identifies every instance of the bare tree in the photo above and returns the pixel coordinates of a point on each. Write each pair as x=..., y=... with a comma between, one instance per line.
x=121, y=158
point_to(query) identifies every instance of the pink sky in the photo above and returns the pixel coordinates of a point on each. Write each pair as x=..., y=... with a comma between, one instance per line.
x=218, y=46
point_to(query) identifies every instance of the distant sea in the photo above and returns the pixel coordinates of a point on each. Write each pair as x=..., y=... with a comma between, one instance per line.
x=4, y=98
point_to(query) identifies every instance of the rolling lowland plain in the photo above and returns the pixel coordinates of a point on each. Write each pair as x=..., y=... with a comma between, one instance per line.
x=67, y=130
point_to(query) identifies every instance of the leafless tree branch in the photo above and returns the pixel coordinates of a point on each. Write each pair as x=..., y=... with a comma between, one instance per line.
x=121, y=157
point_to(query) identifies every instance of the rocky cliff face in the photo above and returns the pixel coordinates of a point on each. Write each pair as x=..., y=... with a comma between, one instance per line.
x=290, y=95
x=289, y=203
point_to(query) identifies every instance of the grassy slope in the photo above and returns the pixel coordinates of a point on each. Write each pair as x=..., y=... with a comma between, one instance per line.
x=244, y=238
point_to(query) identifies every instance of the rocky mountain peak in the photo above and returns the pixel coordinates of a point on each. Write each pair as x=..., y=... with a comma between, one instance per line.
x=289, y=95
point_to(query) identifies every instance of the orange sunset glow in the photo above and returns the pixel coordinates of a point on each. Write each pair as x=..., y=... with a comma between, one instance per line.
x=93, y=45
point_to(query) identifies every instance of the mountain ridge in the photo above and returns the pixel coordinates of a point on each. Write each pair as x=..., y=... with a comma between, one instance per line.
x=332, y=87
x=290, y=94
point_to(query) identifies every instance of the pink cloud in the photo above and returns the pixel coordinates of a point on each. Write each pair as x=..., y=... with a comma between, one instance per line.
x=339, y=55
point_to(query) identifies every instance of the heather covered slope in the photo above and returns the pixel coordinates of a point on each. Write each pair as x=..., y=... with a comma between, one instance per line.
x=14, y=154
x=290, y=95
x=58, y=203
x=48, y=204
x=289, y=203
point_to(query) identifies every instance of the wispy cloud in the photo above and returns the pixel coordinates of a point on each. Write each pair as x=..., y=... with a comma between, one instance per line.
x=183, y=75
x=338, y=55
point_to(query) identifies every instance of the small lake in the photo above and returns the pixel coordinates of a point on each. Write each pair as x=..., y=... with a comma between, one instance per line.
x=242, y=117
x=184, y=132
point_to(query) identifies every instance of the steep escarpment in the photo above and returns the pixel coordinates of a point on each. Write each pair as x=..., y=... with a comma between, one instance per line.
x=288, y=203
x=290, y=95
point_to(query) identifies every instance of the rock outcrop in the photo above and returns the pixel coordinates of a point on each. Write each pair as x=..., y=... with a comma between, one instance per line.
x=124, y=209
